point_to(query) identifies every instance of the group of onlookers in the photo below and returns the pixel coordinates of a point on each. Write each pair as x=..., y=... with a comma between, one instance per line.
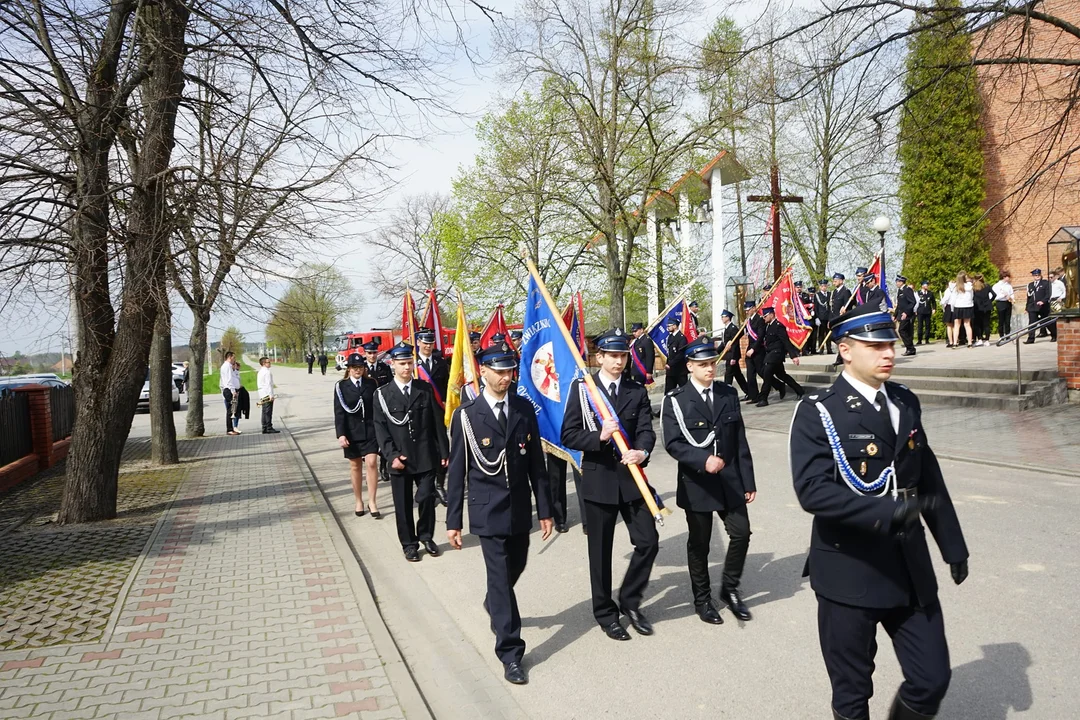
x=969, y=305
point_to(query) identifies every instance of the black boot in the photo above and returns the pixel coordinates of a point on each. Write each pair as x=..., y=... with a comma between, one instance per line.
x=900, y=711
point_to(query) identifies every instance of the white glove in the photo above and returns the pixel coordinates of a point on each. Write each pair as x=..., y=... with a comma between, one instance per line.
x=817, y=322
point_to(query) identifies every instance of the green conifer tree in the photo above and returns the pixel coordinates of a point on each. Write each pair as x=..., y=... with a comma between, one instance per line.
x=942, y=182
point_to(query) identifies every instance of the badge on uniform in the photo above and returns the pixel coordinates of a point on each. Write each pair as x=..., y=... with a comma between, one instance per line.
x=522, y=446
x=486, y=442
x=862, y=468
x=911, y=443
x=871, y=449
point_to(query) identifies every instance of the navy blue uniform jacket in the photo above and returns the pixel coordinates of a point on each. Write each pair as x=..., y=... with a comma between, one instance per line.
x=499, y=504
x=855, y=556
x=698, y=490
x=604, y=479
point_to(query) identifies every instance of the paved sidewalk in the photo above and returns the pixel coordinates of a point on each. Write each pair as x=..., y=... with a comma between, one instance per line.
x=247, y=603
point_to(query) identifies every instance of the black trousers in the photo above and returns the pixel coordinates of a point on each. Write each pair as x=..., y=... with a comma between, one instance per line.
x=980, y=324
x=905, y=328
x=753, y=370
x=924, y=327
x=556, y=469
x=309, y=366
x=1004, y=314
x=230, y=408
x=1039, y=314
x=699, y=535
x=323, y=368
x=821, y=336
x=267, y=415
x=401, y=487
x=772, y=375
x=504, y=558
x=733, y=371
x=848, y=645
x=601, y=518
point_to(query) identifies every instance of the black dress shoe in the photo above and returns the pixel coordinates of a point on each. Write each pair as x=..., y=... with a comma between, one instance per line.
x=412, y=555
x=431, y=547
x=376, y=515
x=900, y=711
x=639, y=621
x=708, y=614
x=440, y=495
x=515, y=674
x=615, y=631
x=271, y=431
x=762, y=403
x=735, y=604
x=783, y=391
x=1029, y=342
x=561, y=528
x=909, y=352
x=744, y=398
x=359, y=513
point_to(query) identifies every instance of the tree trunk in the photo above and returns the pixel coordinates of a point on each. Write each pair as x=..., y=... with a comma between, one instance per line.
x=196, y=372
x=617, y=283
x=107, y=387
x=163, y=450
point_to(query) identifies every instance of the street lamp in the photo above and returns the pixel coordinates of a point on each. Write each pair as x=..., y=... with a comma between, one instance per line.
x=882, y=225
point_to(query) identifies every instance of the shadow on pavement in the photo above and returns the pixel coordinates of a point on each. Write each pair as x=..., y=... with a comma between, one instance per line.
x=989, y=688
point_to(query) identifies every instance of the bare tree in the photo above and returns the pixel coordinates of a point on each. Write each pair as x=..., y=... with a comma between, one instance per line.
x=621, y=76
x=412, y=247
x=76, y=80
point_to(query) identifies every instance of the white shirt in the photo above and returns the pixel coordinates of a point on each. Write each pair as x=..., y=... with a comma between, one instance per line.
x=491, y=400
x=1057, y=290
x=1003, y=290
x=963, y=298
x=700, y=388
x=230, y=377
x=401, y=386
x=606, y=381
x=265, y=382
x=870, y=394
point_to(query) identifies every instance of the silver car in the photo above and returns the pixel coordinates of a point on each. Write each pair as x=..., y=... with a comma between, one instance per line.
x=144, y=395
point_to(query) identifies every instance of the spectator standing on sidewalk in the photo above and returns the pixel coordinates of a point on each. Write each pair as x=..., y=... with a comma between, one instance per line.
x=1003, y=301
x=983, y=297
x=963, y=305
x=265, y=383
x=230, y=390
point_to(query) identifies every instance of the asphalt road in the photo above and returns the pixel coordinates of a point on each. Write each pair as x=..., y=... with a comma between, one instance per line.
x=1013, y=626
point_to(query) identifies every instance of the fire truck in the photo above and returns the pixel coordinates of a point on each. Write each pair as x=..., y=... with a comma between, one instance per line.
x=351, y=342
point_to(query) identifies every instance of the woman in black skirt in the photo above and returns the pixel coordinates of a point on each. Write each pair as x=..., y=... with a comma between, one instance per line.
x=354, y=399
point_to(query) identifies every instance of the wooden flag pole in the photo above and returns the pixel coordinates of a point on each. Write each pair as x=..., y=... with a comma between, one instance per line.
x=620, y=440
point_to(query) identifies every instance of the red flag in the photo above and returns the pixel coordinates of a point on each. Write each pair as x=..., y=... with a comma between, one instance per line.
x=689, y=327
x=789, y=311
x=433, y=318
x=883, y=282
x=574, y=319
x=408, y=319
x=497, y=324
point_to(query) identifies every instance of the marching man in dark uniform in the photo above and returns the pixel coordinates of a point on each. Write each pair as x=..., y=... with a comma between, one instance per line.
x=703, y=431
x=323, y=361
x=755, y=363
x=732, y=371
x=608, y=487
x=310, y=360
x=377, y=370
x=411, y=435
x=924, y=310
x=872, y=293
x=862, y=466
x=772, y=345
x=495, y=448
x=807, y=300
x=822, y=305
x=642, y=356
x=841, y=303
x=905, y=314
x=676, y=363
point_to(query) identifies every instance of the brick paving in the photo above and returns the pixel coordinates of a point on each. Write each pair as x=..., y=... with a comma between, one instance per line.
x=241, y=606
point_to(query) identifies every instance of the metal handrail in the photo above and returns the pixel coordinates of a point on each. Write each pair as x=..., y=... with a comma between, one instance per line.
x=1015, y=336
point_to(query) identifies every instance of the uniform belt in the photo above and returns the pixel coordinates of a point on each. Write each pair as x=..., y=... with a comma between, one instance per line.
x=907, y=493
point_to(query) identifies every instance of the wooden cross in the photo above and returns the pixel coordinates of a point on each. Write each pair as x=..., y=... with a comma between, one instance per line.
x=776, y=199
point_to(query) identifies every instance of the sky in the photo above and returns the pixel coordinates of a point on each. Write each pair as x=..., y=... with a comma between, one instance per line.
x=419, y=166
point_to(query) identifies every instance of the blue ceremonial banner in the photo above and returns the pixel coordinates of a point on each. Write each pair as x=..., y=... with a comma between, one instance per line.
x=546, y=371
x=658, y=331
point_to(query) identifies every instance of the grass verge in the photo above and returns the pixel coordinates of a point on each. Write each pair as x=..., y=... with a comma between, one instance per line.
x=248, y=378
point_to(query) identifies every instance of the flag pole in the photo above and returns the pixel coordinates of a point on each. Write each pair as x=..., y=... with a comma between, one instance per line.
x=587, y=378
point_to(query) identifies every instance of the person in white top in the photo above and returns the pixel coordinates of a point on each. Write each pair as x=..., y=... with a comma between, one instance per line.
x=230, y=390
x=265, y=383
x=1057, y=299
x=1004, y=295
x=963, y=305
x=947, y=313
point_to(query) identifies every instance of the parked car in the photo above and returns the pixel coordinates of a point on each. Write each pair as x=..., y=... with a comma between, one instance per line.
x=178, y=375
x=144, y=395
x=46, y=379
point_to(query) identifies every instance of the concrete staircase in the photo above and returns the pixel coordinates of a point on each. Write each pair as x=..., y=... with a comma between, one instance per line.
x=960, y=386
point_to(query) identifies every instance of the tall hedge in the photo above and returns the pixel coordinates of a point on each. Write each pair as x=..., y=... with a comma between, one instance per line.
x=942, y=182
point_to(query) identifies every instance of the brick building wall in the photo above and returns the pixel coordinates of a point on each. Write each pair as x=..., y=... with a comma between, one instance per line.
x=1022, y=109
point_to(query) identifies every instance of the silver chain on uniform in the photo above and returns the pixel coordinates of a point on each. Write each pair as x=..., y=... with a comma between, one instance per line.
x=491, y=468
x=359, y=404
x=682, y=426
x=386, y=410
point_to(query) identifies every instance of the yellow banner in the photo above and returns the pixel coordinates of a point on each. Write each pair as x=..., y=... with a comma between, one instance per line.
x=464, y=373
